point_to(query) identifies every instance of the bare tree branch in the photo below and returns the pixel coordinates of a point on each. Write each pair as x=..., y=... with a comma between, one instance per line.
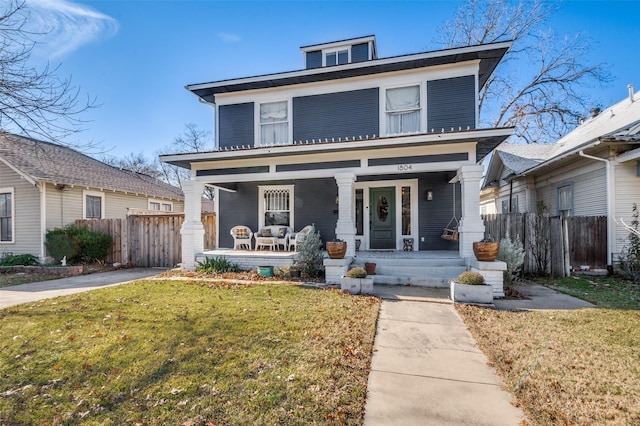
x=541, y=85
x=33, y=102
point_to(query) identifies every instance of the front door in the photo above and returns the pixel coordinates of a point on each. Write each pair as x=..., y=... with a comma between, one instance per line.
x=382, y=218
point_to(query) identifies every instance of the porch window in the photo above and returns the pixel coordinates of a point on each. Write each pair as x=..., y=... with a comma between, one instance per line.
x=406, y=210
x=6, y=215
x=403, y=110
x=277, y=205
x=565, y=200
x=274, y=123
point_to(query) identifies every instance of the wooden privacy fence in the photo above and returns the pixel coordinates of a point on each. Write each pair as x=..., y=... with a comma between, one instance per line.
x=553, y=244
x=149, y=240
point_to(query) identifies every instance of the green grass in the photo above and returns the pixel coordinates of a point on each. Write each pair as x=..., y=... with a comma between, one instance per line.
x=606, y=292
x=577, y=367
x=163, y=352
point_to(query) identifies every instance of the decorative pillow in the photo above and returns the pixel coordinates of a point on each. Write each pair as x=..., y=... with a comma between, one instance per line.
x=282, y=232
x=241, y=232
x=266, y=232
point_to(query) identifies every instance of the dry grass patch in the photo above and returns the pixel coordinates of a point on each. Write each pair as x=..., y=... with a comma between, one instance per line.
x=162, y=352
x=565, y=367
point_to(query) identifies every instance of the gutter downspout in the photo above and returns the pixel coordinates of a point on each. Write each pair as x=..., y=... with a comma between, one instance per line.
x=610, y=219
x=42, y=186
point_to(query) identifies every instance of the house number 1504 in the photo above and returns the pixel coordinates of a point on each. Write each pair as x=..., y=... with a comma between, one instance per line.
x=404, y=167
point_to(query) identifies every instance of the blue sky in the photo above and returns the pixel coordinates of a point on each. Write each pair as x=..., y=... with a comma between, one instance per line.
x=136, y=57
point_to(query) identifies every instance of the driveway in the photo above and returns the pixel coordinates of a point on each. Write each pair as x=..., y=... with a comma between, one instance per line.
x=24, y=293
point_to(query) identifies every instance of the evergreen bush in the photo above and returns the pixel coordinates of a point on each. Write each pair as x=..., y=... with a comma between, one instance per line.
x=470, y=278
x=79, y=245
x=511, y=253
x=629, y=260
x=310, y=254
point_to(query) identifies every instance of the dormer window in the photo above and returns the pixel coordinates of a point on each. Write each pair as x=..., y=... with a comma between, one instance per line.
x=339, y=57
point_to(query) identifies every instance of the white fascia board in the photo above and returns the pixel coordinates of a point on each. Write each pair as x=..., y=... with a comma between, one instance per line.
x=332, y=146
x=22, y=174
x=634, y=154
x=323, y=70
x=334, y=44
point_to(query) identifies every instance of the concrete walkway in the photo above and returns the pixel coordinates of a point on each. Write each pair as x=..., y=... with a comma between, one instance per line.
x=24, y=293
x=426, y=367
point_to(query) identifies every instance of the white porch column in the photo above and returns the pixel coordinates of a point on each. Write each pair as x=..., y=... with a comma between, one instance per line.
x=471, y=226
x=345, y=227
x=192, y=230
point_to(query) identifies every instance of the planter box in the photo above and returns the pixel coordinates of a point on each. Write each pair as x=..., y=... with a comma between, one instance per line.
x=357, y=285
x=465, y=293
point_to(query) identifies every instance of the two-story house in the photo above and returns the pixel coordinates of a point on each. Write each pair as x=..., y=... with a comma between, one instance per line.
x=379, y=150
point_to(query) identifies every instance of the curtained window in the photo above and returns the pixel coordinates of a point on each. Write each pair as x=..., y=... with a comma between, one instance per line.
x=274, y=123
x=403, y=110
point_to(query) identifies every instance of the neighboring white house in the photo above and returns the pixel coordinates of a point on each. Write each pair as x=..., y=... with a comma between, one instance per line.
x=45, y=186
x=380, y=150
x=592, y=171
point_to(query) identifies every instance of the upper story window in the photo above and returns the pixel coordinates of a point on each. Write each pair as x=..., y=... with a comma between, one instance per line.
x=6, y=215
x=339, y=57
x=274, y=123
x=403, y=110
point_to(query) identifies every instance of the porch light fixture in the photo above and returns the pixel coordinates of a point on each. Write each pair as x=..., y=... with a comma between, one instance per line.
x=429, y=195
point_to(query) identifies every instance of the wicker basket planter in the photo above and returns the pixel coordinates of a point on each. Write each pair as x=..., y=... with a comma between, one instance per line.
x=336, y=249
x=486, y=251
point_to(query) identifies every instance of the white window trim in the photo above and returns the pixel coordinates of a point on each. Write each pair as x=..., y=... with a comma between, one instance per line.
x=325, y=52
x=84, y=203
x=292, y=202
x=11, y=191
x=383, y=107
x=257, y=134
x=571, y=208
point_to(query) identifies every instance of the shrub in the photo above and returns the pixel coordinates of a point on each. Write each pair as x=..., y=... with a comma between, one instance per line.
x=79, y=245
x=310, y=254
x=20, y=259
x=511, y=253
x=629, y=260
x=218, y=264
x=471, y=278
x=356, y=272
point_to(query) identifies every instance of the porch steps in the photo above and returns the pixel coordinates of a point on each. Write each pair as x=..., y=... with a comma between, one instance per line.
x=429, y=272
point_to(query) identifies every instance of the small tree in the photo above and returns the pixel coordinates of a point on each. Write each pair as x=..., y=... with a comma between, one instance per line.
x=630, y=257
x=512, y=253
x=310, y=254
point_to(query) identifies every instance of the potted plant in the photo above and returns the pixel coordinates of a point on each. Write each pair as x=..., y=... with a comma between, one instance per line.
x=470, y=287
x=336, y=249
x=486, y=250
x=356, y=281
x=370, y=268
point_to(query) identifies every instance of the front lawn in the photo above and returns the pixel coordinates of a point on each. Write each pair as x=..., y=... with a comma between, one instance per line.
x=160, y=352
x=565, y=367
x=606, y=292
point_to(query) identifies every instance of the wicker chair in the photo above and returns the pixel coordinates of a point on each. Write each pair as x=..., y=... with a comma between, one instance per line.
x=241, y=237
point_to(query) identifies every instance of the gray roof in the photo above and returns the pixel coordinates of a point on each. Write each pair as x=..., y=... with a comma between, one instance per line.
x=57, y=164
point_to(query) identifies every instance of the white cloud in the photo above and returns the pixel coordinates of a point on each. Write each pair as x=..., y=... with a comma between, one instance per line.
x=66, y=26
x=228, y=37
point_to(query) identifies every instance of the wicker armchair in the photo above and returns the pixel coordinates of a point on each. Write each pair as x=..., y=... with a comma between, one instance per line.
x=241, y=237
x=294, y=239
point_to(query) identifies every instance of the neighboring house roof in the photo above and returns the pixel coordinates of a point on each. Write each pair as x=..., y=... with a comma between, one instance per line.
x=47, y=162
x=619, y=123
x=489, y=56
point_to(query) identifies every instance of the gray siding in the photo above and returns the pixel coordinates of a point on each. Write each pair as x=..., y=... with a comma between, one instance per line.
x=360, y=52
x=236, y=125
x=336, y=115
x=451, y=103
x=314, y=204
x=314, y=59
x=435, y=215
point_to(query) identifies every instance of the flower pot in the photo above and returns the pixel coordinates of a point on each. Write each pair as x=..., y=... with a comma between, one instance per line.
x=265, y=271
x=370, y=268
x=336, y=249
x=467, y=293
x=486, y=252
x=356, y=285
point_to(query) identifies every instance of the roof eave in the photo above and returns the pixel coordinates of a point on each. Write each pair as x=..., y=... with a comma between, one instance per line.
x=31, y=179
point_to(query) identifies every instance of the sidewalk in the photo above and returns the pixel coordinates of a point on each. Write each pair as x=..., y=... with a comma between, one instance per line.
x=24, y=293
x=426, y=367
